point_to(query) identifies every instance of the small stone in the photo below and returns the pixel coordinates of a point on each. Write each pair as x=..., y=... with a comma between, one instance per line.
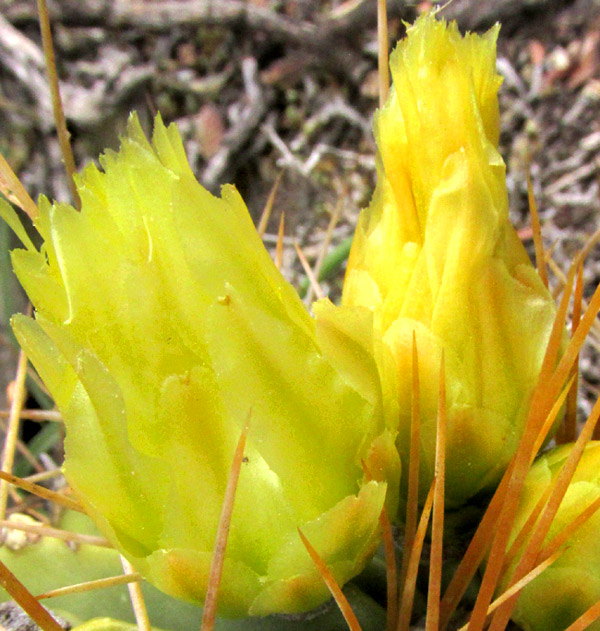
x=13, y=618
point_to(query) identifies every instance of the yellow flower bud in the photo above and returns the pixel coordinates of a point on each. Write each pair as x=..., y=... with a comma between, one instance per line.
x=435, y=254
x=160, y=323
x=571, y=585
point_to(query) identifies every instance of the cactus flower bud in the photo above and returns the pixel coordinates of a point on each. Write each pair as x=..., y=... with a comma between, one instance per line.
x=571, y=585
x=435, y=254
x=160, y=323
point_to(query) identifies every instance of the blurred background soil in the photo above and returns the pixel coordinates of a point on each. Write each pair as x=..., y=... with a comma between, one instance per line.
x=263, y=87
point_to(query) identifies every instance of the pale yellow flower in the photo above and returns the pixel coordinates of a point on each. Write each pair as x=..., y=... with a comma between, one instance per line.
x=435, y=253
x=160, y=323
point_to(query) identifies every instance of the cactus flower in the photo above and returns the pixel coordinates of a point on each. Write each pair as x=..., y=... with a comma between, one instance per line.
x=160, y=321
x=571, y=585
x=435, y=254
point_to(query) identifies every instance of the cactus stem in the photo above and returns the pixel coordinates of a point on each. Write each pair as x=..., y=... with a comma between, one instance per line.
x=332, y=585
x=218, y=558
